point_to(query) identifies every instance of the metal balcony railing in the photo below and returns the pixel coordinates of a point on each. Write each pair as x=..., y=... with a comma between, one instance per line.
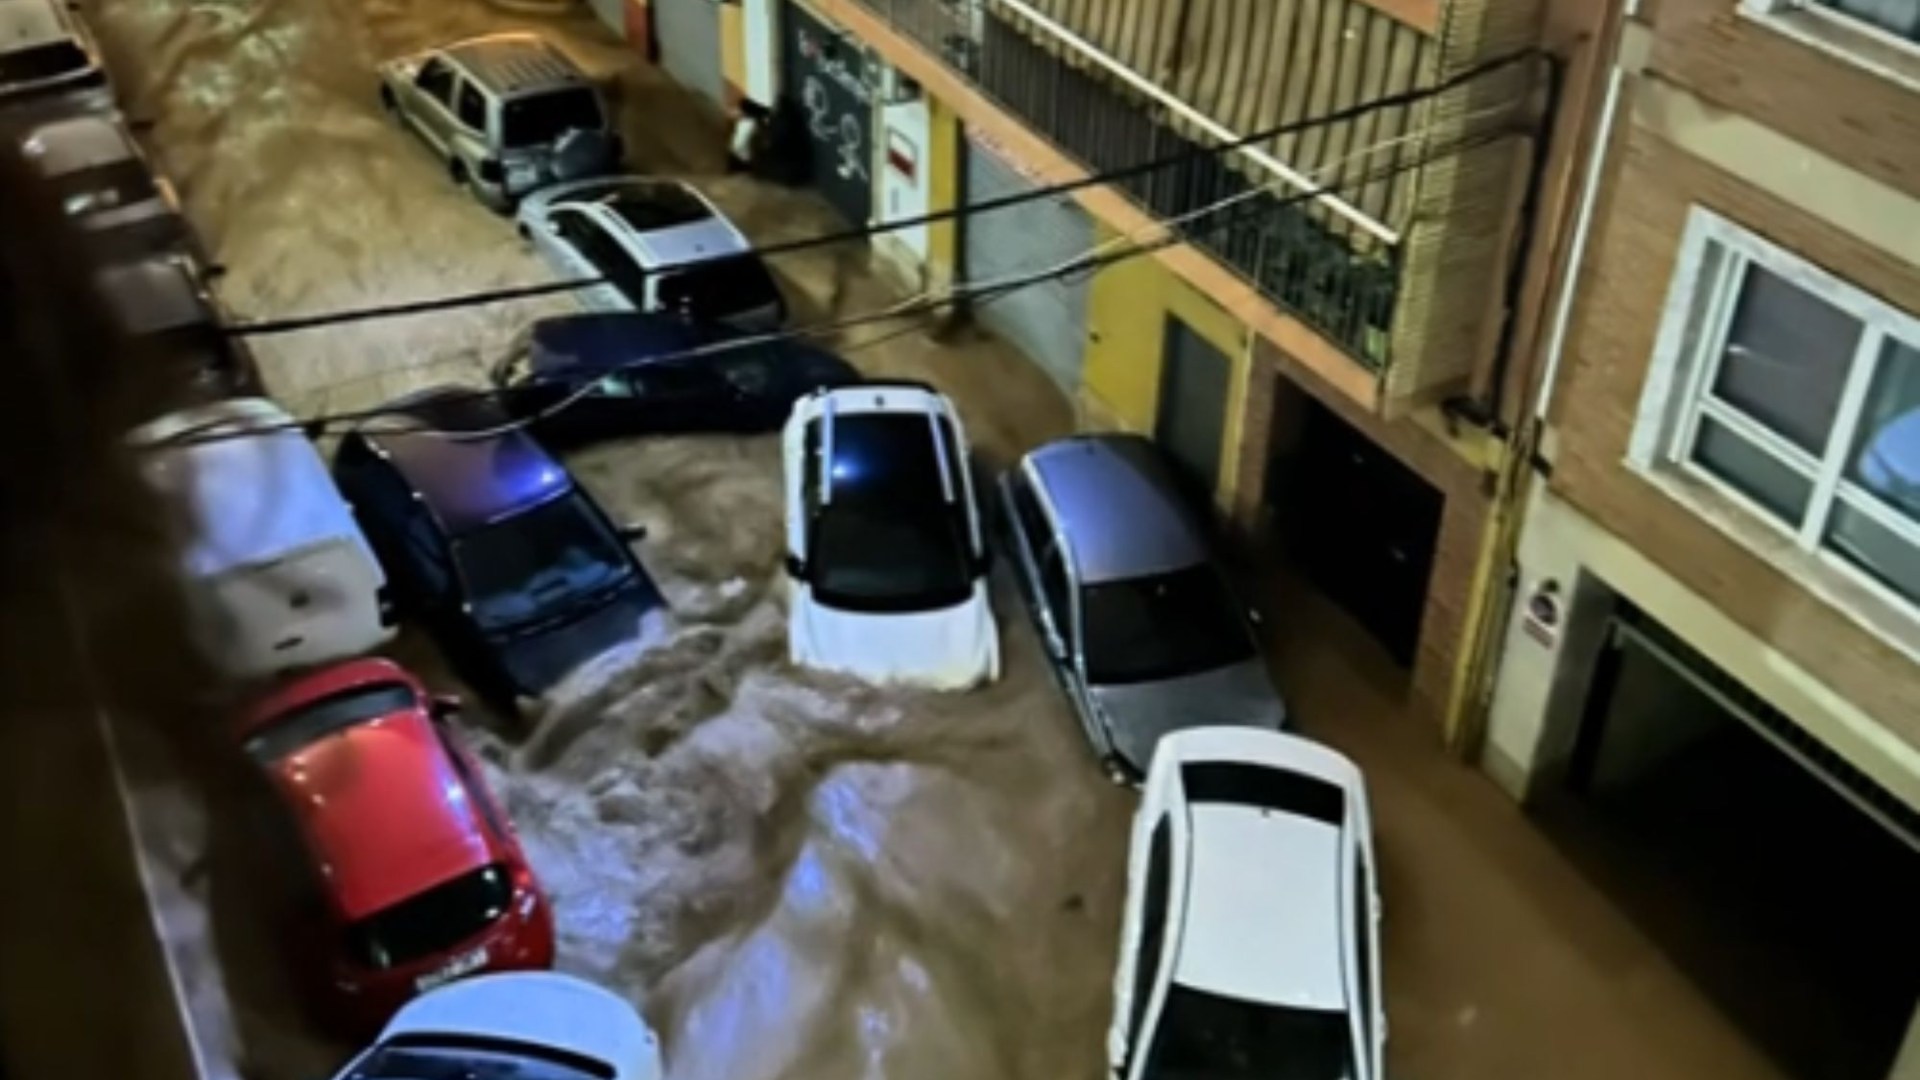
x=1331, y=261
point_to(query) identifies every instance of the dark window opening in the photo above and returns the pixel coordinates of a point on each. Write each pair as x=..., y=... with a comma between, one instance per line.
x=432, y=921
x=46, y=61
x=1264, y=786
x=330, y=715
x=542, y=118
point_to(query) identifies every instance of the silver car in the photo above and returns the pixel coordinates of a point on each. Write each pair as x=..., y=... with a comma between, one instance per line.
x=1136, y=615
x=507, y=112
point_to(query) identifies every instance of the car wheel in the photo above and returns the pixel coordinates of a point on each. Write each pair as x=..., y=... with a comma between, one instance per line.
x=388, y=103
x=457, y=170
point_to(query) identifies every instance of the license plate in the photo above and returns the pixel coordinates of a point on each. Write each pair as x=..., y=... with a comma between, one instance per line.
x=464, y=964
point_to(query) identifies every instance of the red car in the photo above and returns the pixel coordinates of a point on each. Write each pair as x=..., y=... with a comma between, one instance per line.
x=422, y=877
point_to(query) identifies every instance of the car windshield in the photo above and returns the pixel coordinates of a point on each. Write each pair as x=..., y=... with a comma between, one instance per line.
x=1161, y=627
x=466, y=1057
x=541, y=118
x=105, y=187
x=45, y=61
x=540, y=563
x=296, y=729
x=432, y=921
x=888, y=540
x=720, y=289
x=1205, y=1036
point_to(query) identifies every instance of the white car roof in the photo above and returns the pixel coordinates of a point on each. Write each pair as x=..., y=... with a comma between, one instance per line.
x=248, y=500
x=1264, y=919
x=539, y=1007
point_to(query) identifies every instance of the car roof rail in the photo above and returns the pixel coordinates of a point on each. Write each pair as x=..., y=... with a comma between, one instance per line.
x=826, y=450
x=940, y=456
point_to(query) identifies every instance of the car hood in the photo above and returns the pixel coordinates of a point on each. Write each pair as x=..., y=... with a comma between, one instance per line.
x=1138, y=714
x=948, y=649
x=538, y=660
x=542, y=1009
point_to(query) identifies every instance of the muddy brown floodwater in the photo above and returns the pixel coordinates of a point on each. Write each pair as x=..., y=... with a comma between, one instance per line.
x=793, y=876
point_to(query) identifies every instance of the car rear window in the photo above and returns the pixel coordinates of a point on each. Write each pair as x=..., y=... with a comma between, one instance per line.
x=432, y=921
x=1262, y=785
x=47, y=61
x=541, y=118
x=716, y=290
x=450, y=1056
x=656, y=206
x=326, y=716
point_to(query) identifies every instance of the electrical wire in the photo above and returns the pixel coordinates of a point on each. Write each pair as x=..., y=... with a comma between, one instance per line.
x=297, y=323
x=1092, y=260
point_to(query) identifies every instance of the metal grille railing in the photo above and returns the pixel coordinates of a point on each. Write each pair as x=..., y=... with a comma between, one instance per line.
x=1336, y=275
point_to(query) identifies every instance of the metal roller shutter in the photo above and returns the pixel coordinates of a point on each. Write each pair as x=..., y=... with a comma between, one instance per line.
x=831, y=77
x=688, y=34
x=1047, y=321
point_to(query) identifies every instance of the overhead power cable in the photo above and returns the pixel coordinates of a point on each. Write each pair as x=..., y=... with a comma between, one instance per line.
x=297, y=323
x=988, y=292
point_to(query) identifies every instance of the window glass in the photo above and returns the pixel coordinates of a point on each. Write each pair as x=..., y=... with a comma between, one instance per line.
x=1054, y=587
x=1032, y=520
x=1863, y=539
x=473, y=107
x=720, y=289
x=432, y=921
x=436, y=80
x=1787, y=357
x=1886, y=453
x=1161, y=627
x=1264, y=786
x=1222, y=1038
x=1363, y=947
x=1153, y=928
x=609, y=258
x=887, y=539
x=810, y=469
x=1898, y=17
x=427, y=550
x=441, y=1056
x=541, y=118
x=292, y=732
x=99, y=188
x=540, y=563
x=49, y=60
x=1752, y=471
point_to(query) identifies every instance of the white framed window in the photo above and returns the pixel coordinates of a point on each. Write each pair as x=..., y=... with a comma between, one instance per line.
x=1882, y=36
x=1794, y=394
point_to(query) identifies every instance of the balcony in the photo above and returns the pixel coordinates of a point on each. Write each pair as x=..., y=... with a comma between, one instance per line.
x=1385, y=234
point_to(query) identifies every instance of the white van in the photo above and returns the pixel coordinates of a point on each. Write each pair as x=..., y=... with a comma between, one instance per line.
x=278, y=574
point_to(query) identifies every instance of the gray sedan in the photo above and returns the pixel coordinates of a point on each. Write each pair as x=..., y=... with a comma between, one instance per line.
x=1136, y=616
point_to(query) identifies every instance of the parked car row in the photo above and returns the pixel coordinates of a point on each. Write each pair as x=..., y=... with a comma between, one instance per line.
x=58, y=114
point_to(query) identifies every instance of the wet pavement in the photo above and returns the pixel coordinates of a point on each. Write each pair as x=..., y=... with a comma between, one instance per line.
x=794, y=876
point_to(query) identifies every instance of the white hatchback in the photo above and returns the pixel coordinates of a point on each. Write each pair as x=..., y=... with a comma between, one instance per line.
x=1250, y=946
x=884, y=547
x=528, y=1025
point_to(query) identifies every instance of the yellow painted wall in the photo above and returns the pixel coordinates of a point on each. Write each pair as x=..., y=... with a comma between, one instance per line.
x=943, y=191
x=733, y=47
x=1128, y=304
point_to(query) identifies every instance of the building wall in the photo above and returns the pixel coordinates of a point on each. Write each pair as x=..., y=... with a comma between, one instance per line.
x=1828, y=200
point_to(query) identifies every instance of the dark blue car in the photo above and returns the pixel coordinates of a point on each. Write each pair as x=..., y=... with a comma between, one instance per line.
x=490, y=544
x=633, y=376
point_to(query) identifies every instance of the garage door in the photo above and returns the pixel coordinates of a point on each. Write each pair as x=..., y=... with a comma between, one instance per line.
x=1047, y=321
x=688, y=33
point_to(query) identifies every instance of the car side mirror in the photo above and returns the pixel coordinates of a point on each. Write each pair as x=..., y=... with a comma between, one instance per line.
x=444, y=706
x=633, y=532
x=796, y=568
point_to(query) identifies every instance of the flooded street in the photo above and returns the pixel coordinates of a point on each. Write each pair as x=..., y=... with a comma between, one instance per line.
x=792, y=875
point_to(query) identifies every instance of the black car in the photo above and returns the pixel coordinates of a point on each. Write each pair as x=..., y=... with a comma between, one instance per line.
x=490, y=544
x=632, y=375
